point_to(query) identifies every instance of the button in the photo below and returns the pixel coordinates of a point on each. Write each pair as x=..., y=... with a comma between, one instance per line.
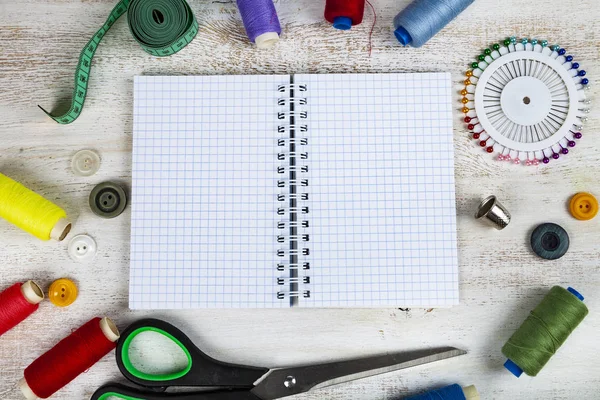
x=82, y=248
x=108, y=200
x=550, y=241
x=583, y=206
x=85, y=163
x=62, y=292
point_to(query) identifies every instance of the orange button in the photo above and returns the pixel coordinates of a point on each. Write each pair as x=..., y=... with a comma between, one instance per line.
x=62, y=292
x=583, y=206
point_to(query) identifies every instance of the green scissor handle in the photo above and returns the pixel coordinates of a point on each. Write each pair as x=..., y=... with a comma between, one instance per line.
x=201, y=370
x=129, y=367
x=122, y=392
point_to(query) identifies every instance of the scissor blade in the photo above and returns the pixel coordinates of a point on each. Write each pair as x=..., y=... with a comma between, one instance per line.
x=285, y=382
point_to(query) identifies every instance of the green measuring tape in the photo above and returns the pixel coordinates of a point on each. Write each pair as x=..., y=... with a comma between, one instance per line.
x=161, y=27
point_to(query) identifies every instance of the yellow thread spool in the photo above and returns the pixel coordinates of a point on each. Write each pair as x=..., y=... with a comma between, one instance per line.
x=31, y=212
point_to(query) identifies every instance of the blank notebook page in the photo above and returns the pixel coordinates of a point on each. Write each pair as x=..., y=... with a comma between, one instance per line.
x=204, y=184
x=382, y=205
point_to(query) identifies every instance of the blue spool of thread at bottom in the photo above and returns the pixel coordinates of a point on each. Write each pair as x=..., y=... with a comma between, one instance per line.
x=452, y=392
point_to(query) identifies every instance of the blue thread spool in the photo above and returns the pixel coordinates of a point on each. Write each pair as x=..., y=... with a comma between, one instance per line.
x=422, y=19
x=452, y=392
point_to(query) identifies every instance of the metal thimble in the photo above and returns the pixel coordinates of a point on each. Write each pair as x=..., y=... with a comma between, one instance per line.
x=494, y=213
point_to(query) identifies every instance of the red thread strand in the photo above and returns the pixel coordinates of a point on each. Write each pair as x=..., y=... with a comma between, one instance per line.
x=14, y=308
x=353, y=9
x=68, y=359
x=372, y=27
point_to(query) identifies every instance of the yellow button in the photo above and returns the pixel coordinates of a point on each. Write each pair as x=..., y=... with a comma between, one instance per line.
x=583, y=206
x=62, y=292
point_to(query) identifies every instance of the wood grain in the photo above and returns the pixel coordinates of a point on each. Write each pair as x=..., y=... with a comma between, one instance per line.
x=501, y=280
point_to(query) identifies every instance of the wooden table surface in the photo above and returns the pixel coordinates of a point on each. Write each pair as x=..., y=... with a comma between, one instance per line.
x=500, y=279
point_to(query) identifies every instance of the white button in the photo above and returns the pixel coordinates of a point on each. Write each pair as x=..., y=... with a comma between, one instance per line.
x=85, y=163
x=82, y=248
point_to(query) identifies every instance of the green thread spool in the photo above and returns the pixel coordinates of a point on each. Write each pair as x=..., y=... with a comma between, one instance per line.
x=546, y=328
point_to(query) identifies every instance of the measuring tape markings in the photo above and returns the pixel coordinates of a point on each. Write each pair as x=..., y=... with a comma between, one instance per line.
x=182, y=30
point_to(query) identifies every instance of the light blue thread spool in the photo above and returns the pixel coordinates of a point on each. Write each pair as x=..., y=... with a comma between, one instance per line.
x=422, y=19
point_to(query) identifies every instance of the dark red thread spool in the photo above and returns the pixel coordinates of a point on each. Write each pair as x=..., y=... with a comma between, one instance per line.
x=70, y=357
x=344, y=14
x=17, y=303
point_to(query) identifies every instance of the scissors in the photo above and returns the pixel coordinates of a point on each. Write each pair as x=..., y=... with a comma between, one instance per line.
x=224, y=381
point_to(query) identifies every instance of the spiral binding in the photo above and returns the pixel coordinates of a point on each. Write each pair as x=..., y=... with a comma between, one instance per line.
x=293, y=179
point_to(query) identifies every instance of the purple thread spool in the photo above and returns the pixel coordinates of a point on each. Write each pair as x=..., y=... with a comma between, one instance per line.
x=261, y=22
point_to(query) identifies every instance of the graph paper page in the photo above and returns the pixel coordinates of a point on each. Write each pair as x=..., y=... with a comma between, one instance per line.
x=382, y=203
x=203, y=228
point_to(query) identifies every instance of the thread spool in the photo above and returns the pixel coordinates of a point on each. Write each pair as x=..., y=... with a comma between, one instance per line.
x=344, y=14
x=422, y=19
x=17, y=303
x=261, y=22
x=70, y=357
x=546, y=328
x=31, y=212
x=452, y=392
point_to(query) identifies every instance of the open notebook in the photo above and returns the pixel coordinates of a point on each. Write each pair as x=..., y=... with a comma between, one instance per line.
x=302, y=190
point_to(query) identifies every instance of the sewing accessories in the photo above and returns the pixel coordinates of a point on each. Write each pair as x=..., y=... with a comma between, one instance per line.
x=423, y=19
x=550, y=241
x=491, y=211
x=85, y=163
x=238, y=382
x=82, y=248
x=70, y=357
x=451, y=392
x=31, y=212
x=525, y=101
x=18, y=302
x=546, y=328
x=583, y=206
x=260, y=21
x=344, y=14
x=62, y=292
x=161, y=28
x=108, y=200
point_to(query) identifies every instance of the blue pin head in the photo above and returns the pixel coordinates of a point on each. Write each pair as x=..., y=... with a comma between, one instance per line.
x=403, y=36
x=342, y=23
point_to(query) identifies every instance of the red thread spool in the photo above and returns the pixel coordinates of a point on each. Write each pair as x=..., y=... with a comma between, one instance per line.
x=70, y=357
x=17, y=303
x=343, y=14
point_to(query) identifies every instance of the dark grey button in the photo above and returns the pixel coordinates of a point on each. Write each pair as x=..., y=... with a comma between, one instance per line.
x=108, y=200
x=550, y=241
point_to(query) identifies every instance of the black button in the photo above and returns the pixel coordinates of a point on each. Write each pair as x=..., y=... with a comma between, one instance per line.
x=550, y=241
x=108, y=200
